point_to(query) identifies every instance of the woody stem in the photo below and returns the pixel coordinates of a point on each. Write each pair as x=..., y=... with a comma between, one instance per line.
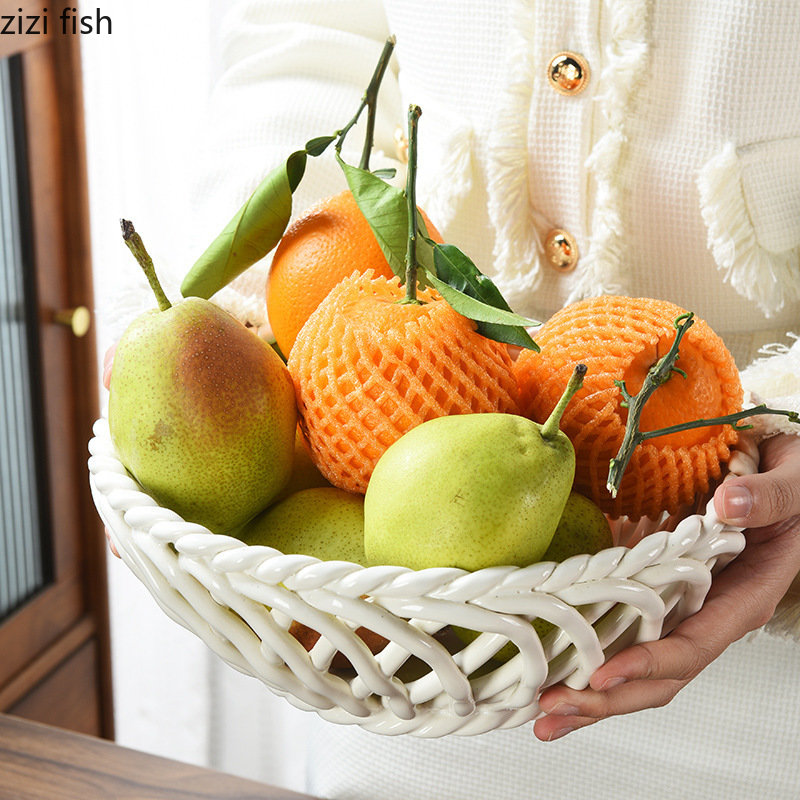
x=656, y=376
x=369, y=100
x=728, y=419
x=411, y=202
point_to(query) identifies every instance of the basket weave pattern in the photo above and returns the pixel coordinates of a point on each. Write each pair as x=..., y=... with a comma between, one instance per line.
x=240, y=600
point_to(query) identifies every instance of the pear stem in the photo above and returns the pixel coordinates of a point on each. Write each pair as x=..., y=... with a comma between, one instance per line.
x=136, y=246
x=411, y=205
x=552, y=424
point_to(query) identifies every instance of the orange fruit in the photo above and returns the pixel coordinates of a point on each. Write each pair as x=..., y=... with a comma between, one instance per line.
x=308, y=637
x=620, y=338
x=367, y=369
x=319, y=249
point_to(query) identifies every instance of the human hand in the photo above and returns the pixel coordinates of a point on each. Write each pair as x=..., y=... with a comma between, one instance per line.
x=742, y=597
x=111, y=546
x=108, y=360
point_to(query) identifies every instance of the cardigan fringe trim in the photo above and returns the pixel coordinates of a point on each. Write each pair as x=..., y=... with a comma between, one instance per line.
x=602, y=270
x=452, y=182
x=785, y=622
x=769, y=279
x=775, y=379
x=516, y=248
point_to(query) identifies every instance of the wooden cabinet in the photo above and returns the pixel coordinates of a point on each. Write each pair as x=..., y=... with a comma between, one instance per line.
x=54, y=649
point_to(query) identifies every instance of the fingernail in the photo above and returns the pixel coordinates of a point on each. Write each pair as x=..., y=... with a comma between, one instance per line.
x=564, y=710
x=612, y=682
x=737, y=502
x=557, y=734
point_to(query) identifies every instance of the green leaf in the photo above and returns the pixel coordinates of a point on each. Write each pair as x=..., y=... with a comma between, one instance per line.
x=474, y=295
x=386, y=173
x=318, y=145
x=252, y=233
x=445, y=267
x=385, y=209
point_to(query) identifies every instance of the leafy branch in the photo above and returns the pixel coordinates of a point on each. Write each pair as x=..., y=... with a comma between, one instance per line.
x=261, y=222
x=405, y=243
x=657, y=376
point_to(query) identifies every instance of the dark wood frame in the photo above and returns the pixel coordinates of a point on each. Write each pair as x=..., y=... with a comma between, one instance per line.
x=70, y=616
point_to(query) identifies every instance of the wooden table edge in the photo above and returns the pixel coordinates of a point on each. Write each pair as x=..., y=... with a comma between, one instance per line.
x=39, y=761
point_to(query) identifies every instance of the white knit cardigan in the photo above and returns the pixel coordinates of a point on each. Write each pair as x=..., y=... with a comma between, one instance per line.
x=676, y=170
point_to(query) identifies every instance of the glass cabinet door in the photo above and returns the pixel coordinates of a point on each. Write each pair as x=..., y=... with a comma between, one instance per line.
x=54, y=638
x=24, y=568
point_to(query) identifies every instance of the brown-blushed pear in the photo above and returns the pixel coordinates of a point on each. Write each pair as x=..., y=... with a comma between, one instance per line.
x=201, y=411
x=471, y=491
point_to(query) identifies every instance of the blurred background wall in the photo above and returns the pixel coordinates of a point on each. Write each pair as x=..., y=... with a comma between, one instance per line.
x=147, y=87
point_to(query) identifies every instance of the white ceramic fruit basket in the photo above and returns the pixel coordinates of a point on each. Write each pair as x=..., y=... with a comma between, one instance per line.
x=241, y=601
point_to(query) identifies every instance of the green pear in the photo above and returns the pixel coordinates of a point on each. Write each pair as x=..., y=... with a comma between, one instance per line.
x=471, y=491
x=583, y=528
x=201, y=411
x=324, y=522
x=305, y=474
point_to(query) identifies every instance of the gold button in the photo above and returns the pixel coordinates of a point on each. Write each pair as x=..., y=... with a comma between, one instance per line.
x=568, y=73
x=561, y=250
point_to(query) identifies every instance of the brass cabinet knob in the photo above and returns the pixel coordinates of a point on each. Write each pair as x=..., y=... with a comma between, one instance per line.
x=78, y=319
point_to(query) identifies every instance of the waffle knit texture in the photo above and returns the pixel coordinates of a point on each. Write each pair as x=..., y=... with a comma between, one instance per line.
x=675, y=170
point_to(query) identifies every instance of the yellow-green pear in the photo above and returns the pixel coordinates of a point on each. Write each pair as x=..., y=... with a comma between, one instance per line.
x=583, y=528
x=324, y=522
x=305, y=474
x=201, y=411
x=470, y=491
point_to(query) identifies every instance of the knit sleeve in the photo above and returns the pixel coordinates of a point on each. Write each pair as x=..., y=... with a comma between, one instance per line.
x=774, y=378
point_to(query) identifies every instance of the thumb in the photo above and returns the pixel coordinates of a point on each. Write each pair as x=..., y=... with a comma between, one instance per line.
x=755, y=501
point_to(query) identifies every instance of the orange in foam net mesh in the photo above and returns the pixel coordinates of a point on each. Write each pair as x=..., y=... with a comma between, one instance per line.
x=368, y=369
x=620, y=338
x=319, y=249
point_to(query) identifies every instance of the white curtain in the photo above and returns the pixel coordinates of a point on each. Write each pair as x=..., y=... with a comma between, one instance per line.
x=146, y=90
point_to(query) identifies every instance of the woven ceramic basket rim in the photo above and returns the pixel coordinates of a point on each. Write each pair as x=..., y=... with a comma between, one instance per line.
x=240, y=600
